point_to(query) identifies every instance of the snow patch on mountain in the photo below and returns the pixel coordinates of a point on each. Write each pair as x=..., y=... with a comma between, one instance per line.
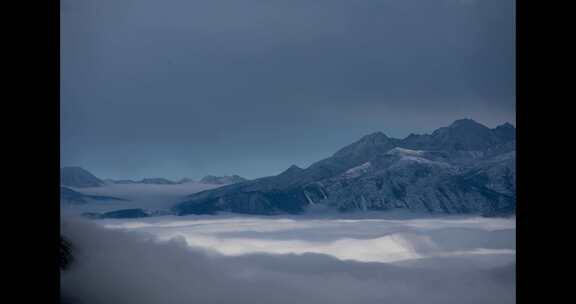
x=404, y=152
x=358, y=170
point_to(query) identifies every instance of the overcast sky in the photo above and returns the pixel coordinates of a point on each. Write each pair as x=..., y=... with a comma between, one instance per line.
x=179, y=88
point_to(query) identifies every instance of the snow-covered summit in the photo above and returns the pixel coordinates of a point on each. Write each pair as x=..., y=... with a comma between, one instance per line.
x=465, y=167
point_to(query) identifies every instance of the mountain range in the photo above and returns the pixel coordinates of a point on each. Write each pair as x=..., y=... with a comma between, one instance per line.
x=78, y=177
x=465, y=167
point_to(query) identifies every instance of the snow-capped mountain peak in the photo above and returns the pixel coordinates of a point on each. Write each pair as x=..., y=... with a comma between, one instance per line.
x=463, y=168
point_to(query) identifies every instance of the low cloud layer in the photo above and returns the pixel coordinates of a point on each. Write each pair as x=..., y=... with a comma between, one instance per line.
x=361, y=239
x=147, y=196
x=137, y=265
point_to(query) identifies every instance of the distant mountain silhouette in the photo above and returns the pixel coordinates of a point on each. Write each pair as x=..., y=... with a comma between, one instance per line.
x=79, y=178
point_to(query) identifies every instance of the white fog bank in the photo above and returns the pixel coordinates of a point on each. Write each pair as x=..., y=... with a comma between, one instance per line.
x=231, y=259
x=358, y=239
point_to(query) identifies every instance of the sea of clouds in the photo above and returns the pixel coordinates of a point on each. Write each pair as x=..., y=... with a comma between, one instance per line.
x=147, y=196
x=233, y=259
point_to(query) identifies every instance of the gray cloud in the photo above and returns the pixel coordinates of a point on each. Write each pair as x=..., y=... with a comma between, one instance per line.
x=131, y=267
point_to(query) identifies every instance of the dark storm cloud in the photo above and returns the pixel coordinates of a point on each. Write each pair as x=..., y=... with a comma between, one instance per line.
x=180, y=88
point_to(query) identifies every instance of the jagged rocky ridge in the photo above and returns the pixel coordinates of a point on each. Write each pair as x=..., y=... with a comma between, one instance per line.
x=463, y=168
